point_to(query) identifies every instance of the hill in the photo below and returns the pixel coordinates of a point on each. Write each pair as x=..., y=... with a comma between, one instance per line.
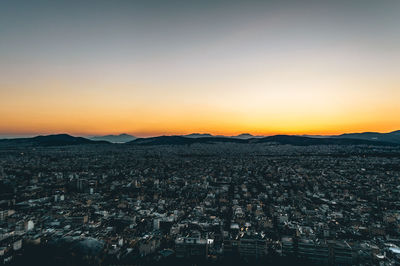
x=306, y=141
x=198, y=135
x=368, y=138
x=393, y=137
x=49, y=140
x=180, y=140
x=278, y=139
x=122, y=138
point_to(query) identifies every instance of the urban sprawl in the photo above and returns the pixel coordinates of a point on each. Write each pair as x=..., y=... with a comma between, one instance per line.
x=200, y=204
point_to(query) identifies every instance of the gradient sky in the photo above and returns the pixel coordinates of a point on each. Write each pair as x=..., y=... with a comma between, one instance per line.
x=223, y=67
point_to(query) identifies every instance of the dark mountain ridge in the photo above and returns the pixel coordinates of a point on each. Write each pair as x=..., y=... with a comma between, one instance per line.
x=306, y=141
x=121, y=138
x=393, y=136
x=367, y=138
x=198, y=135
x=278, y=139
x=181, y=140
x=49, y=140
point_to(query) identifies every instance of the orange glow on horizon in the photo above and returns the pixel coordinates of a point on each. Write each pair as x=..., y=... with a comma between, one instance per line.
x=288, y=99
x=258, y=112
x=76, y=130
x=152, y=69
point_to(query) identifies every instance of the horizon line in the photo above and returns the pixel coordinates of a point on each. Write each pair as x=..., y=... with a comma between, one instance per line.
x=85, y=135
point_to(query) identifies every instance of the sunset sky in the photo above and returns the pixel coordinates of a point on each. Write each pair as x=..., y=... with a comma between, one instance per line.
x=175, y=67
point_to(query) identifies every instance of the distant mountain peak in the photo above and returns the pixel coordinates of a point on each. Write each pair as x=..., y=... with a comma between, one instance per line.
x=245, y=134
x=121, y=138
x=198, y=135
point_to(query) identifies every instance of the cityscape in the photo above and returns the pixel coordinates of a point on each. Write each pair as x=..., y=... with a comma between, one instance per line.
x=140, y=203
x=199, y=133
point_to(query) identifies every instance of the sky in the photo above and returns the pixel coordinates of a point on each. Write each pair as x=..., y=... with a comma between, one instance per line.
x=175, y=67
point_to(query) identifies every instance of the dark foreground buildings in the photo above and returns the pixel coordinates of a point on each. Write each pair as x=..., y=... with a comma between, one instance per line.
x=200, y=204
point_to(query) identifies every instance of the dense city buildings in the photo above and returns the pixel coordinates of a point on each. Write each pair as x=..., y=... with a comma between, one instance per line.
x=199, y=132
x=204, y=203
